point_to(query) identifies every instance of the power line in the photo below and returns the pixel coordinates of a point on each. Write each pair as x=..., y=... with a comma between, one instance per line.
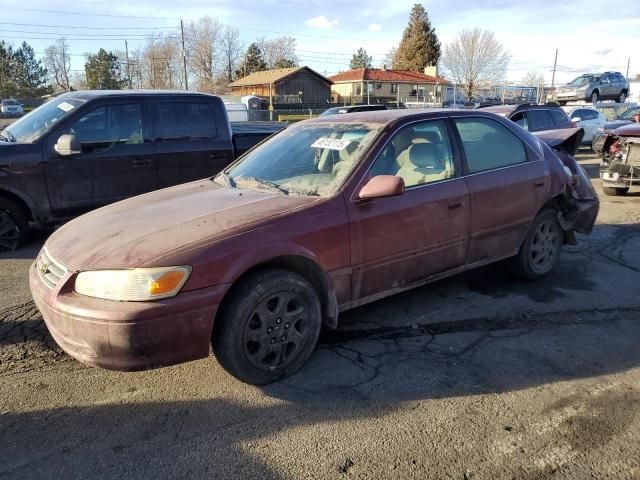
x=93, y=35
x=80, y=27
x=89, y=14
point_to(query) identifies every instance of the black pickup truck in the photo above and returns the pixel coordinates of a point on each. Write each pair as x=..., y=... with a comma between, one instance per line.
x=87, y=149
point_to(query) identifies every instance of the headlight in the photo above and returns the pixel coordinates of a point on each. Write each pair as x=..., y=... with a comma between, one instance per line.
x=137, y=285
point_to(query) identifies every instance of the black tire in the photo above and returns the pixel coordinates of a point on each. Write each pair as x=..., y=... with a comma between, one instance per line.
x=595, y=96
x=14, y=225
x=622, y=97
x=541, y=247
x=562, y=102
x=268, y=327
x=615, y=192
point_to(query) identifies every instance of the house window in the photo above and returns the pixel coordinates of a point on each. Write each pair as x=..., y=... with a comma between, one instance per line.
x=394, y=88
x=378, y=86
x=359, y=89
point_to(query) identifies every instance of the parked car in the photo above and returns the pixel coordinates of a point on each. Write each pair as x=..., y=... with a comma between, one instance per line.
x=11, y=108
x=594, y=87
x=352, y=109
x=542, y=119
x=620, y=168
x=329, y=214
x=87, y=149
x=628, y=117
x=590, y=120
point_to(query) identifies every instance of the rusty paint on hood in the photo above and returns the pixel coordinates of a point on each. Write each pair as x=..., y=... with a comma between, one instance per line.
x=129, y=233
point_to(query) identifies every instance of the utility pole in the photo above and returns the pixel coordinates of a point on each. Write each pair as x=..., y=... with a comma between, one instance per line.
x=628, y=63
x=126, y=50
x=553, y=76
x=184, y=57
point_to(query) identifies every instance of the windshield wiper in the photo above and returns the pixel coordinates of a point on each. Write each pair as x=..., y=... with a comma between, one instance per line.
x=226, y=179
x=274, y=187
x=6, y=136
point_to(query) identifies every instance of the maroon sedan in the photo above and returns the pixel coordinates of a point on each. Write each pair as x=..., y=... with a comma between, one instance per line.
x=330, y=214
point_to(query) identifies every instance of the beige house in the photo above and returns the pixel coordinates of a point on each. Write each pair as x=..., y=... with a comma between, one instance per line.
x=377, y=85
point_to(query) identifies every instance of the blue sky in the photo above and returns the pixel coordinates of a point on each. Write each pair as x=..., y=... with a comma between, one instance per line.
x=590, y=35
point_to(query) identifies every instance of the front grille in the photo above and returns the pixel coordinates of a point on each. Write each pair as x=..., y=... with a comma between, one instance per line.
x=633, y=156
x=49, y=270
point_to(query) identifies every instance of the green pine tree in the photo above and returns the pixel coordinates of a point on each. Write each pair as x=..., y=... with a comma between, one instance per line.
x=419, y=47
x=360, y=59
x=7, y=79
x=30, y=76
x=103, y=71
x=285, y=63
x=253, y=62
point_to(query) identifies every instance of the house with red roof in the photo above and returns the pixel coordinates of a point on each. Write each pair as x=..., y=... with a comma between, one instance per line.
x=382, y=85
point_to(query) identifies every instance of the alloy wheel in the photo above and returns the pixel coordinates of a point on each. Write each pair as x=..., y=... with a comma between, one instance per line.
x=276, y=330
x=9, y=232
x=545, y=246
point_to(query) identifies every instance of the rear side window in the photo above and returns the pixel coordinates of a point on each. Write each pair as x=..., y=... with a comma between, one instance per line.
x=186, y=121
x=489, y=145
x=539, y=119
x=559, y=118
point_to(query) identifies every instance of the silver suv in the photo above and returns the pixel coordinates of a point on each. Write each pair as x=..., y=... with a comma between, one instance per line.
x=593, y=87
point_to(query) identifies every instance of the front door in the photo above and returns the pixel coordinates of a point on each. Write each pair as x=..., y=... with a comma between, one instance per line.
x=398, y=240
x=507, y=186
x=115, y=162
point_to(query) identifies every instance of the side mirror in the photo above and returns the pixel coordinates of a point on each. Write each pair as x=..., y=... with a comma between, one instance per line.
x=636, y=118
x=575, y=119
x=68, y=144
x=382, y=186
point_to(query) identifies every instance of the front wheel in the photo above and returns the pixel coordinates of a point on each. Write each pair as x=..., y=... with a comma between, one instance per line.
x=595, y=96
x=615, y=191
x=622, y=97
x=540, y=250
x=268, y=328
x=14, y=225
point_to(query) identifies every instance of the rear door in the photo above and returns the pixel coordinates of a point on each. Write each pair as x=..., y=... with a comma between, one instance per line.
x=507, y=185
x=116, y=159
x=192, y=139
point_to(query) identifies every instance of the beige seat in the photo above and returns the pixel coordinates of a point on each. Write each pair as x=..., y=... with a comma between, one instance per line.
x=424, y=165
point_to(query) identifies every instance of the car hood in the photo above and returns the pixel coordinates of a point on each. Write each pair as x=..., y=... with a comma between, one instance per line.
x=610, y=126
x=133, y=232
x=630, y=130
x=564, y=139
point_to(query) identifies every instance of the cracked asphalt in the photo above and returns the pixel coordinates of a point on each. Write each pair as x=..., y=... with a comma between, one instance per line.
x=474, y=377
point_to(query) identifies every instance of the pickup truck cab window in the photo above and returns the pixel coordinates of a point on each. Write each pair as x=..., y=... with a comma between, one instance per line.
x=107, y=126
x=192, y=120
x=419, y=154
x=489, y=145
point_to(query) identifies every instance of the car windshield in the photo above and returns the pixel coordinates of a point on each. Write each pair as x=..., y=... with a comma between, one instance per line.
x=582, y=80
x=333, y=111
x=30, y=127
x=311, y=159
x=629, y=113
x=10, y=102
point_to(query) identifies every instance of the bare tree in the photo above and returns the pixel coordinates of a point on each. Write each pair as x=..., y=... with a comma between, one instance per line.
x=390, y=57
x=476, y=60
x=58, y=61
x=278, y=51
x=230, y=51
x=533, y=79
x=202, y=38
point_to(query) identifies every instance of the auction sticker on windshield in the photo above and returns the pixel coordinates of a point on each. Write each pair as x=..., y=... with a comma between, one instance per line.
x=67, y=107
x=331, y=143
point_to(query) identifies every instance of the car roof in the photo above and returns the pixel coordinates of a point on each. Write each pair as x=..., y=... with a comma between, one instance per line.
x=92, y=94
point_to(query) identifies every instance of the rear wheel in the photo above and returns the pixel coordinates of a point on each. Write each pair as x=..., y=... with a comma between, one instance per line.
x=615, y=191
x=268, y=328
x=14, y=225
x=540, y=250
x=622, y=97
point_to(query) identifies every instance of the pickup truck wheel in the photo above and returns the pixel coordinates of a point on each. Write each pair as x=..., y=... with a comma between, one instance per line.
x=540, y=250
x=14, y=225
x=268, y=328
x=614, y=192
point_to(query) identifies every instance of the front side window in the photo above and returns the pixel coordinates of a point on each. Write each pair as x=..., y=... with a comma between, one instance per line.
x=628, y=115
x=489, y=145
x=105, y=127
x=560, y=118
x=186, y=121
x=521, y=119
x=419, y=154
x=306, y=159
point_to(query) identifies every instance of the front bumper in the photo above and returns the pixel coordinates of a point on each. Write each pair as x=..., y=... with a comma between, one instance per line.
x=609, y=179
x=128, y=335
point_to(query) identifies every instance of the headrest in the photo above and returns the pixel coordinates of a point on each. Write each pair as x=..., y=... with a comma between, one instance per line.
x=425, y=155
x=431, y=137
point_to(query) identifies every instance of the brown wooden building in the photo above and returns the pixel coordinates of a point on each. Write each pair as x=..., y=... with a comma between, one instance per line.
x=285, y=85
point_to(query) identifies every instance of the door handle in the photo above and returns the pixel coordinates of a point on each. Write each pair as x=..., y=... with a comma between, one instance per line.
x=141, y=161
x=217, y=156
x=538, y=184
x=455, y=204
